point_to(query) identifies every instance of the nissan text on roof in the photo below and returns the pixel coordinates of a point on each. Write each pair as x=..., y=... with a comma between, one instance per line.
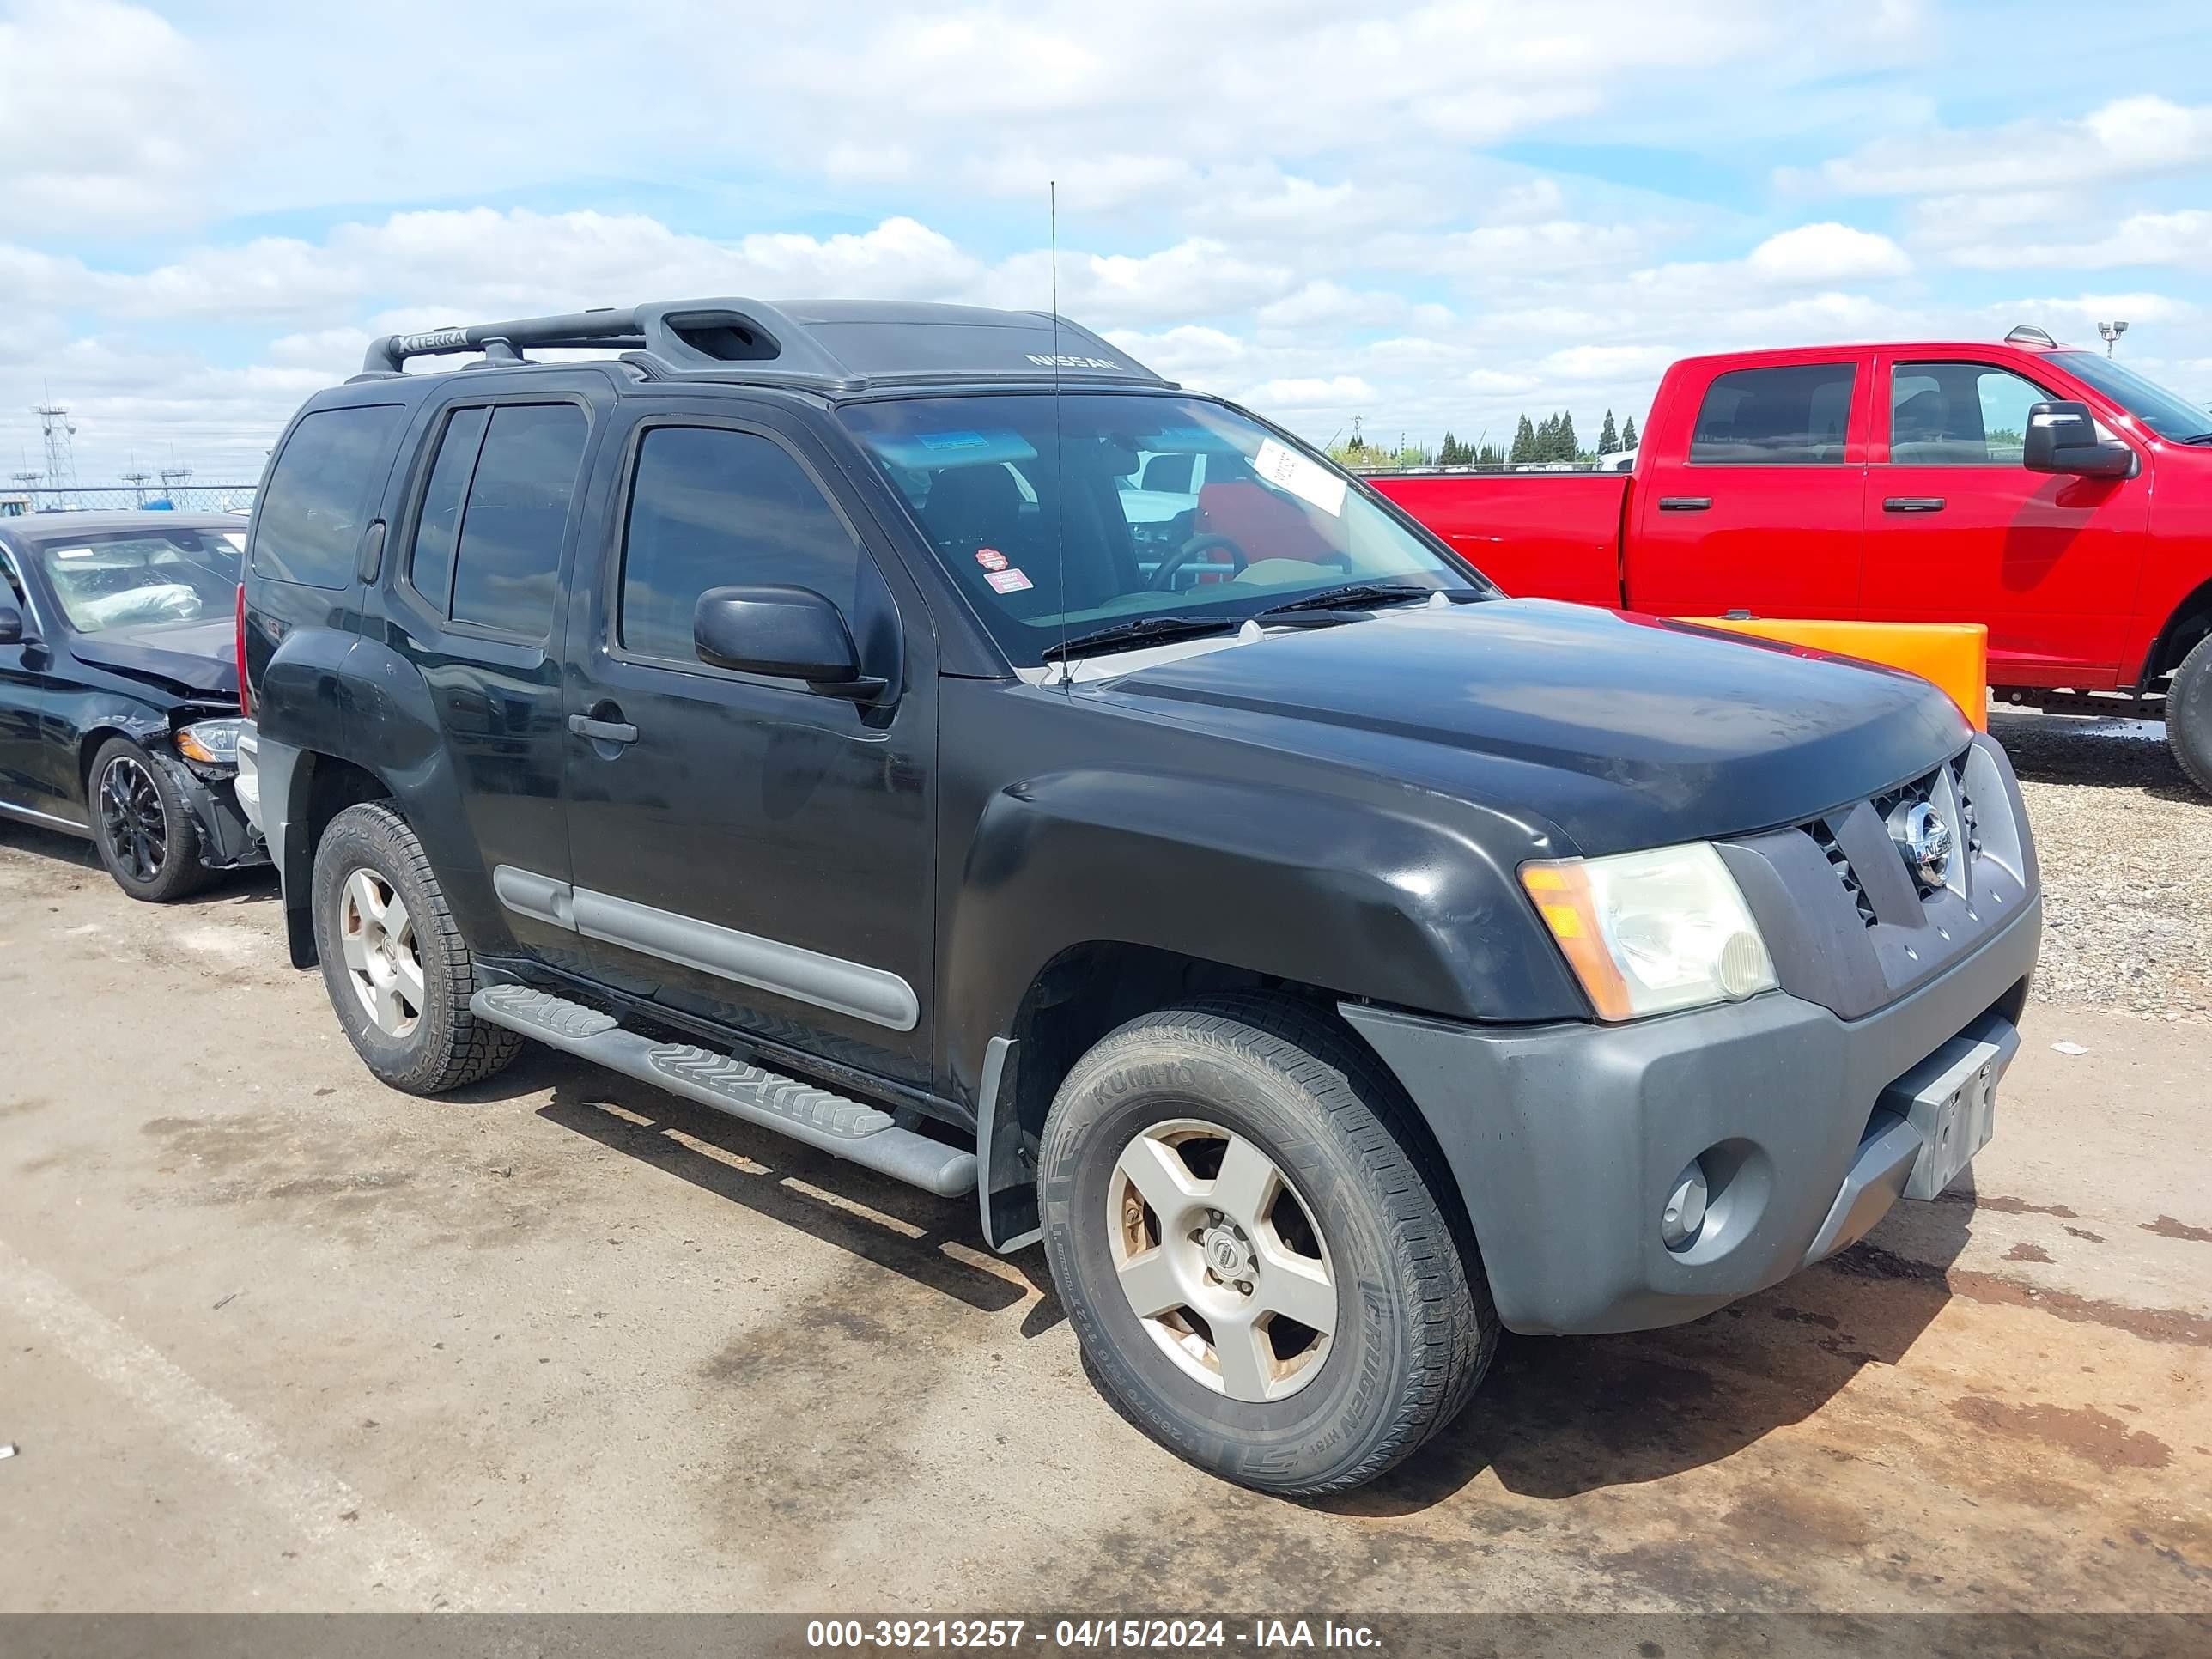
x=809, y=711
x=2055, y=496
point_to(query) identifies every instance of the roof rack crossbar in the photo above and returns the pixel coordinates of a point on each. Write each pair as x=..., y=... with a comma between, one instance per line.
x=607, y=330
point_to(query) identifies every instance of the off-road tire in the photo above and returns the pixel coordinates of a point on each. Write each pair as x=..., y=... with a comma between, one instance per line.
x=180, y=872
x=1416, y=1327
x=2189, y=715
x=449, y=1046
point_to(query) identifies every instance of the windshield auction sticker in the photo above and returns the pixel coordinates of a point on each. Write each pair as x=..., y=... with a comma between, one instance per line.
x=1284, y=467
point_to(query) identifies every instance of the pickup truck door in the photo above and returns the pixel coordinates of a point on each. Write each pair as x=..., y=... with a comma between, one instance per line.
x=1959, y=531
x=1762, y=509
x=745, y=848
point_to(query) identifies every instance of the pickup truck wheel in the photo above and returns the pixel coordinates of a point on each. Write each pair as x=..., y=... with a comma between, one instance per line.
x=398, y=972
x=145, y=833
x=1253, y=1248
x=2189, y=715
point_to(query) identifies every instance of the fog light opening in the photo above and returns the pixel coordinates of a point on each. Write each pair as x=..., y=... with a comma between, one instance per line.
x=1683, y=1215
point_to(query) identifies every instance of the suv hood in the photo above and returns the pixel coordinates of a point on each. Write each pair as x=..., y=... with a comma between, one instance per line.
x=189, y=658
x=1625, y=732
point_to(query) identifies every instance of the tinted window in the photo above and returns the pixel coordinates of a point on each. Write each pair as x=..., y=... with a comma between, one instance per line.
x=307, y=523
x=430, y=569
x=711, y=507
x=1958, y=415
x=518, y=505
x=1792, y=417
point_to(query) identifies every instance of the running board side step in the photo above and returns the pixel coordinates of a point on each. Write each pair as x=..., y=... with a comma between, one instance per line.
x=851, y=1129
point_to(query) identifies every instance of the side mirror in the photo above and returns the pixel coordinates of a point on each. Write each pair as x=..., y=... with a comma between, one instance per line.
x=2062, y=437
x=790, y=633
x=11, y=625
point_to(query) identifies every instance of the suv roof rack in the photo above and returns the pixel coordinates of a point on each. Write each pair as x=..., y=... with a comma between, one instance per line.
x=829, y=346
x=2028, y=334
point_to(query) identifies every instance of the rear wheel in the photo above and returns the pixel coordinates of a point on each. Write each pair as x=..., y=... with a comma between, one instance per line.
x=146, y=835
x=2189, y=715
x=398, y=972
x=1254, y=1252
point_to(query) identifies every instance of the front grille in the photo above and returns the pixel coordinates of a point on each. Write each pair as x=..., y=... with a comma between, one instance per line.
x=1822, y=832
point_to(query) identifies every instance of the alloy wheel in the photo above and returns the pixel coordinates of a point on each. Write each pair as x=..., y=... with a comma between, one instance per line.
x=382, y=961
x=1220, y=1259
x=130, y=814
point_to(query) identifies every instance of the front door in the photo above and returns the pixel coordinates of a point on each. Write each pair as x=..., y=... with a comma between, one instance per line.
x=1763, y=511
x=1959, y=531
x=745, y=848
x=28, y=789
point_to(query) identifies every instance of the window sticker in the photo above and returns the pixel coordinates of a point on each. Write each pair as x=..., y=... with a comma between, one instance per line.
x=1007, y=582
x=990, y=558
x=1284, y=467
x=72, y=552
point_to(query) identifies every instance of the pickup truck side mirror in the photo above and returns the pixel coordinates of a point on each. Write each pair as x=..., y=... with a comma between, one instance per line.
x=790, y=633
x=11, y=625
x=2062, y=437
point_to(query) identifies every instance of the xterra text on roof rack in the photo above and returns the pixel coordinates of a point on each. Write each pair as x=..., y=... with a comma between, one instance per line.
x=928, y=734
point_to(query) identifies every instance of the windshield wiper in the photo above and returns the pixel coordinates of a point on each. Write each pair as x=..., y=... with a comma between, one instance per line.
x=1353, y=596
x=1144, y=629
x=2200, y=438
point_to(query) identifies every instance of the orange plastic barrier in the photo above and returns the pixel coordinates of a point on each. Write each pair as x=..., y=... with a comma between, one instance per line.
x=1955, y=656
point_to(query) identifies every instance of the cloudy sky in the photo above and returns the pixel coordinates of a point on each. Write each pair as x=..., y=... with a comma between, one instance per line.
x=1421, y=216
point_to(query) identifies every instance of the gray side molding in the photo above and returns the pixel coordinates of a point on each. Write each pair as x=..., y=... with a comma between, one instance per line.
x=874, y=994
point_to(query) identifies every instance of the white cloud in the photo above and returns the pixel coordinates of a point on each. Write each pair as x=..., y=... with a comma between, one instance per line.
x=2180, y=238
x=109, y=117
x=1827, y=252
x=2128, y=138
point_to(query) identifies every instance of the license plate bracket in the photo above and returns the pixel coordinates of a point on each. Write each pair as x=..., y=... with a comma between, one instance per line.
x=1950, y=1097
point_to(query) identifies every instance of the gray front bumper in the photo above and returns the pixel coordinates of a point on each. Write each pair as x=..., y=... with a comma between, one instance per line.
x=1566, y=1140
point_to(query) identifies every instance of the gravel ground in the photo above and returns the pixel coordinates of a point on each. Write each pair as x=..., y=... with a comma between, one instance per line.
x=2126, y=850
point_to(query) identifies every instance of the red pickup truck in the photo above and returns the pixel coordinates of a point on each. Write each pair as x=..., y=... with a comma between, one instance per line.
x=2049, y=492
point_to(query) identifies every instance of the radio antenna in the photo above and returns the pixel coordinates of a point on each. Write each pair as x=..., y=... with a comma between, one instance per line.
x=1058, y=469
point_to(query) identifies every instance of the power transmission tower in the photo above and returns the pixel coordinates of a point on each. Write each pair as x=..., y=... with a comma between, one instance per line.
x=61, y=454
x=171, y=477
x=137, y=477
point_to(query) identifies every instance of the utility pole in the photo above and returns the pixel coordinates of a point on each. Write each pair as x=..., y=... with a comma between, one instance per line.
x=137, y=477
x=2112, y=332
x=57, y=428
x=172, y=476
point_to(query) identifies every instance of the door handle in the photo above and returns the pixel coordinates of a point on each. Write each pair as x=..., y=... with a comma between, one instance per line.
x=602, y=731
x=1913, y=504
x=1685, y=503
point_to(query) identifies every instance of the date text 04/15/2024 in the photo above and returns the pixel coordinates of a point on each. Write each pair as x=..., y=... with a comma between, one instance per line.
x=1164, y=1635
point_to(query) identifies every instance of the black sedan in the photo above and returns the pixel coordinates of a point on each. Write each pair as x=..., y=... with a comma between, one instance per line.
x=119, y=690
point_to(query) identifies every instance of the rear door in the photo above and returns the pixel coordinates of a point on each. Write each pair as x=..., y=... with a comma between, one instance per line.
x=1959, y=531
x=756, y=853
x=476, y=605
x=1763, y=509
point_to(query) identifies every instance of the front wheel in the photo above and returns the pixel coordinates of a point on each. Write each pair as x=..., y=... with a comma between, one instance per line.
x=145, y=833
x=2189, y=715
x=1255, y=1249
x=398, y=972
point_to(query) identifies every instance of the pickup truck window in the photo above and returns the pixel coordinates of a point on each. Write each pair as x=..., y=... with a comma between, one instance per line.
x=430, y=567
x=1036, y=505
x=2166, y=413
x=1958, y=415
x=307, y=524
x=711, y=506
x=1797, y=415
x=517, y=508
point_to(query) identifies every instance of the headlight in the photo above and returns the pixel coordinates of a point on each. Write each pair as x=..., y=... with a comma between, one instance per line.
x=1647, y=933
x=215, y=743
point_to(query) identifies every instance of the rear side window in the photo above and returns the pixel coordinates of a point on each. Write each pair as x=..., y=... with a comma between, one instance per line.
x=512, y=517
x=710, y=508
x=438, y=528
x=1797, y=416
x=307, y=524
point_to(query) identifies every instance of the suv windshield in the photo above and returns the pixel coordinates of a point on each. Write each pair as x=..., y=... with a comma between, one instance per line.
x=143, y=577
x=1075, y=515
x=2166, y=413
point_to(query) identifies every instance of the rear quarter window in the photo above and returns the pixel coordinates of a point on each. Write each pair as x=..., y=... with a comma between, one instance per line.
x=321, y=494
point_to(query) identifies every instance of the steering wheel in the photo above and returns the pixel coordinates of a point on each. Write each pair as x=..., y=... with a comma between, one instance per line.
x=1189, y=550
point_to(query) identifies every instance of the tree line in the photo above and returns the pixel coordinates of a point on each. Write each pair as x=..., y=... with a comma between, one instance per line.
x=1551, y=441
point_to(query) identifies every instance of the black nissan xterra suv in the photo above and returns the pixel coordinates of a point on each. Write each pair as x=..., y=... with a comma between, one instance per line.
x=850, y=717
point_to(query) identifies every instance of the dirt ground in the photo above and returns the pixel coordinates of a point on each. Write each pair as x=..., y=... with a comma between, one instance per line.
x=272, y=1337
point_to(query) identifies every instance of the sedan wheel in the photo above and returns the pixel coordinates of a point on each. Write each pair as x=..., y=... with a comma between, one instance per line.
x=382, y=961
x=130, y=813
